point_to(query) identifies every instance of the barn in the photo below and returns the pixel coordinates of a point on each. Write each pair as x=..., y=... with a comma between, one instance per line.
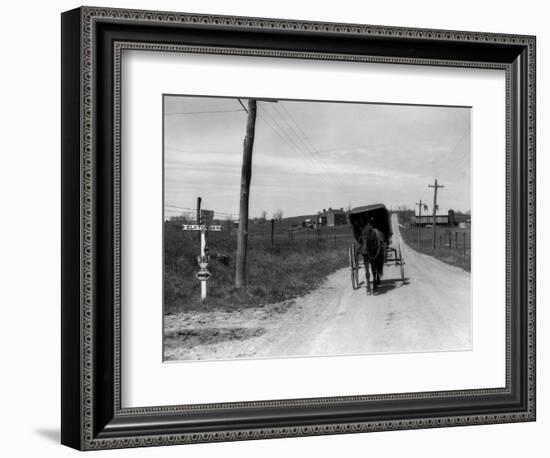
x=441, y=218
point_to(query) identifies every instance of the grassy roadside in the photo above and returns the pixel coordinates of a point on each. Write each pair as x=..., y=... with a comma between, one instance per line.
x=453, y=245
x=275, y=274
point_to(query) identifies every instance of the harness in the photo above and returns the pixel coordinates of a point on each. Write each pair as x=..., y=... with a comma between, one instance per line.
x=366, y=253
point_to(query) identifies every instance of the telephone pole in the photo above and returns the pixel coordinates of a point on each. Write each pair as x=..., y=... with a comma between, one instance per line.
x=246, y=173
x=419, y=219
x=199, y=200
x=436, y=187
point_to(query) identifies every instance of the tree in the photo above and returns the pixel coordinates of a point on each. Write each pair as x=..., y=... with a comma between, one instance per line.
x=278, y=215
x=263, y=216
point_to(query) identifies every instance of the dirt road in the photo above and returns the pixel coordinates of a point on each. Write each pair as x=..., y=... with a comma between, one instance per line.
x=430, y=312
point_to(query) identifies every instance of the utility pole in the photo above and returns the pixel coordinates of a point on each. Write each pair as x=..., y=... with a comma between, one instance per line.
x=246, y=173
x=419, y=219
x=436, y=187
x=199, y=200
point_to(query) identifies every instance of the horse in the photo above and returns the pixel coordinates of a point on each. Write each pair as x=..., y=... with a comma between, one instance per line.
x=372, y=250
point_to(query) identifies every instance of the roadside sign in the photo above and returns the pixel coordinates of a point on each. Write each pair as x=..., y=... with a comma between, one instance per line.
x=203, y=275
x=203, y=261
x=207, y=216
x=201, y=227
x=194, y=227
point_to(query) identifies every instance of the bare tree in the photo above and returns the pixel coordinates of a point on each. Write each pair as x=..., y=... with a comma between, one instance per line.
x=263, y=216
x=278, y=215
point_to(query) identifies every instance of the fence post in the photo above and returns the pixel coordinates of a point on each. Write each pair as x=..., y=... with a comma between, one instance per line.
x=272, y=230
x=440, y=240
x=456, y=241
x=464, y=243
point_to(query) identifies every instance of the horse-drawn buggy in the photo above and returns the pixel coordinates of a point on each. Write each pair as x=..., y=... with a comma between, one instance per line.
x=372, y=231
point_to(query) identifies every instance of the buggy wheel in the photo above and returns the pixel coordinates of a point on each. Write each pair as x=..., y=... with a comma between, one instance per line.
x=353, y=266
x=401, y=268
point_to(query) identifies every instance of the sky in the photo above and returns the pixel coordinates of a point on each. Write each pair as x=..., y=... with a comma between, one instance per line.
x=311, y=155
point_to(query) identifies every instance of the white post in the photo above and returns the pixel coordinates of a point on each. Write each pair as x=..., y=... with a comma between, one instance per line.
x=203, y=282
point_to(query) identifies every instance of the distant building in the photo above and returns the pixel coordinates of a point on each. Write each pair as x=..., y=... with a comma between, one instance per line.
x=441, y=219
x=332, y=217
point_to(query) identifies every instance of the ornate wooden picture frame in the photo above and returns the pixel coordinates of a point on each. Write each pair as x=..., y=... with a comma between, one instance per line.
x=92, y=42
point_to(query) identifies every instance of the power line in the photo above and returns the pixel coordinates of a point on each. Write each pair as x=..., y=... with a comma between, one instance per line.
x=292, y=147
x=200, y=151
x=183, y=113
x=310, y=150
x=194, y=209
x=285, y=137
x=460, y=160
x=293, y=143
x=316, y=167
x=179, y=208
x=242, y=105
x=308, y=143
x=291, y=129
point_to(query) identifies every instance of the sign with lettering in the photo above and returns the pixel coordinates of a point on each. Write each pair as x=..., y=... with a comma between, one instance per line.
x=201, y=227
x=194, y=227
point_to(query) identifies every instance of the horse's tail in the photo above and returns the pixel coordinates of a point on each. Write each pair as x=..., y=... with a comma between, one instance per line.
x=380, y=260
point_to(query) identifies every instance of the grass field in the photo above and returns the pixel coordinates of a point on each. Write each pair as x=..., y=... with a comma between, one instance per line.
x=289, y=267
x=453, y=245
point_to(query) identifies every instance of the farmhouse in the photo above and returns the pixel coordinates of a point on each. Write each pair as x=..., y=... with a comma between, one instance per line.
x=332, y=217
x=441, y=218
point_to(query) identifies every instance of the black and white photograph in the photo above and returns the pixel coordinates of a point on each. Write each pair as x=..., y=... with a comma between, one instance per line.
x=304, y=228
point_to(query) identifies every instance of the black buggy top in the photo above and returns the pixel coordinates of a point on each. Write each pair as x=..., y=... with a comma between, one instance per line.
x=376, y=214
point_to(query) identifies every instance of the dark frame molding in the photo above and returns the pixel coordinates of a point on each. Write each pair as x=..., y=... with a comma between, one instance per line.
x=92, y=42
